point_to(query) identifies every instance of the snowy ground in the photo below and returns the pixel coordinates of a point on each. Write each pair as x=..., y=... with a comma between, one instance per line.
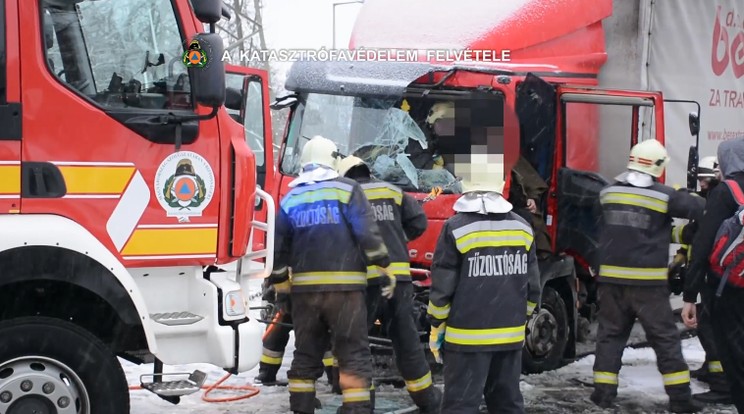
x=641, y=390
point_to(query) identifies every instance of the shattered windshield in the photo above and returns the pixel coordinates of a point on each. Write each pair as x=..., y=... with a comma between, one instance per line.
x=379, y=131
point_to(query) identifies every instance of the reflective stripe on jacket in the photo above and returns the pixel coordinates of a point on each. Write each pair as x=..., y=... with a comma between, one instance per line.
x=484, y=273
x=637, y=231
x=326, y=234
x=401, y=219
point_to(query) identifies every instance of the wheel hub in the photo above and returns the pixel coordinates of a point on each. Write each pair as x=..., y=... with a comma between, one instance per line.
x=542, y=333
x=41, y=385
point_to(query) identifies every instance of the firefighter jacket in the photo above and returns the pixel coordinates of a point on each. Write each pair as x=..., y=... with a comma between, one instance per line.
x=326, y=233
x=636, y=231
x=401, y=219
x=485, y=281
x=684, y=233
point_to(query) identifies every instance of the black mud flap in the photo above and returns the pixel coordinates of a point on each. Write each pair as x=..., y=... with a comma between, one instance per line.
x=537, y=112
x=579, y=210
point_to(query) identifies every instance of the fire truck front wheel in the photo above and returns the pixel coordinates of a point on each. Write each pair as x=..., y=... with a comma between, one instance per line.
x=50, y=366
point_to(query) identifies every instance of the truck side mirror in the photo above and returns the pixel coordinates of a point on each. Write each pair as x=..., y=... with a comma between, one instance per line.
x=207, y=11
x=209, y=79
x=692, y=166
x=694, y=121
x=233, y=99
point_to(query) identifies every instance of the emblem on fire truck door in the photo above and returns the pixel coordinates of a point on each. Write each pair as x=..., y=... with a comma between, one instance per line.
x=184, y=184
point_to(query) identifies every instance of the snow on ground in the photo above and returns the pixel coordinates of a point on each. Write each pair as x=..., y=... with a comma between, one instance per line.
x=641, y=389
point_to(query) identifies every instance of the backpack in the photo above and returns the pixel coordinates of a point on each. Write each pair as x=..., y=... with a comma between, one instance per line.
x=727, y=258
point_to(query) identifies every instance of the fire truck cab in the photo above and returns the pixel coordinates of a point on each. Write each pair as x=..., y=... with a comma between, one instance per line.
x=126, y=191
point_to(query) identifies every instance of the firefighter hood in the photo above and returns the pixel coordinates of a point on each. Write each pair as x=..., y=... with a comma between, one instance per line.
x=731, y=157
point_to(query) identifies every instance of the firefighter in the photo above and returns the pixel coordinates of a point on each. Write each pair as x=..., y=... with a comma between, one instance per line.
x=326, y=234
x=401, y=219
x=711, y=371
x=276, y=338
x=524, y=195
x=726, y=311
x=632, y=282
x=485, y=283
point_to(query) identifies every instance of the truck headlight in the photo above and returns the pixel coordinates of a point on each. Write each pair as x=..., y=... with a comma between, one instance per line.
x=234, y=304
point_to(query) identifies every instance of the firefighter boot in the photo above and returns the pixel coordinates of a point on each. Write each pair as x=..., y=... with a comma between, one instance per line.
x=318, y=406
x=701, y=374
x=430, y=401
x=335, y=386
x=329, y=375
x=604, y=395
x=720, y=392
x=714, y=397
x=685, y=406
x=266, y=375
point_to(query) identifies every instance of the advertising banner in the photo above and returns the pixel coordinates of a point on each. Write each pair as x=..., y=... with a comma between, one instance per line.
x=696, y=52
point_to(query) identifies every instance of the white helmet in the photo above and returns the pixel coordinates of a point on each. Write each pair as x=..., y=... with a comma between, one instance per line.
x=649, y=157
x=708, y=167
x=320, y=151
x=348, y=163
x=441, y=110
x=484, y=173
x=482, y=186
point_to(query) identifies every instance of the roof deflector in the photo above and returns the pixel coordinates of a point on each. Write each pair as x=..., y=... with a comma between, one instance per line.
x=388, y=79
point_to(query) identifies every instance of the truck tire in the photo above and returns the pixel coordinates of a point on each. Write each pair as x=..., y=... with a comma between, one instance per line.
x=52, y=366
x=547, y=335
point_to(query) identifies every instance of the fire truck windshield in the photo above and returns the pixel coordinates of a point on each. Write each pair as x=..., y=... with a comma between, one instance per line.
x=119, y=53
x=397, y=146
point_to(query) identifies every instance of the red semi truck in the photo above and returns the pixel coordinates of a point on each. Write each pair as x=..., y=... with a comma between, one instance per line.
x=573, y=99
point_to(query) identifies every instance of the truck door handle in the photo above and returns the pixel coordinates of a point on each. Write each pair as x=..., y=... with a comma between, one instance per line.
x=41, y=180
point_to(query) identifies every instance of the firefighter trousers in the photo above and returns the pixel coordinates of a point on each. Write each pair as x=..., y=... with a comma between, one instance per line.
x=337, y=319
x=471, y=376
x=716, y=377
x=397, y=321
x=727, y=315
x=619, y=306
x=275, y=342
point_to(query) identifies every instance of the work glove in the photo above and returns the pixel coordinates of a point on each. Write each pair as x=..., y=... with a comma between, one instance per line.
x=436, y=339
x=388, y=282
x=676, y=275
x=282, y=288
x=531, y=308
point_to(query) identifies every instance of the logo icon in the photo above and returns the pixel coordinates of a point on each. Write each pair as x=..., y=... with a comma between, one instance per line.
x=195, y=56
x=184, y=184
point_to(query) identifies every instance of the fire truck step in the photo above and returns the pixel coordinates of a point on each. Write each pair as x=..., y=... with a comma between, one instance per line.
x=176, y=318
x=176, y=387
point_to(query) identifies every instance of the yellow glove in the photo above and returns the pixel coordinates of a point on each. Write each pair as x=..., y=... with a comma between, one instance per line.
x=388, y=282
x=531, y=308
x=436, y=338
x=679, y=258
x=283, y=287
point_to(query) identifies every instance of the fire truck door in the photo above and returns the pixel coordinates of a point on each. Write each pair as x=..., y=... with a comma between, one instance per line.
x=253, y=112
x=536, y=110
x=10, y=110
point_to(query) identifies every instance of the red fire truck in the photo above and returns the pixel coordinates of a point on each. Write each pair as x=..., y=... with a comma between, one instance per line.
x=125, y=186
x=545, y=105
